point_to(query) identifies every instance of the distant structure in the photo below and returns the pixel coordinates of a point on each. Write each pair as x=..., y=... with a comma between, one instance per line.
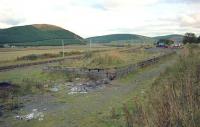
x=166, y=43
x=9, y=46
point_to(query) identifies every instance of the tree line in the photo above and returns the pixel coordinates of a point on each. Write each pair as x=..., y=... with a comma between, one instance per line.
x=191, y=38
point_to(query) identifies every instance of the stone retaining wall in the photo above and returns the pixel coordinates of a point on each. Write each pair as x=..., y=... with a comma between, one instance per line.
x=106, y=73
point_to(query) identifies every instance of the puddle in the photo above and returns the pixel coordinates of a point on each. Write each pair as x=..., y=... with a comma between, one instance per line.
x=6, y=85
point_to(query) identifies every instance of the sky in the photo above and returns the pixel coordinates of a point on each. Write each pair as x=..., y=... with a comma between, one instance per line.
x=100, y=17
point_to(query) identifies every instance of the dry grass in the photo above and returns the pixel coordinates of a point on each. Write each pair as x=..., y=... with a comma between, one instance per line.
x=12, y=55
x=8, y=54
x=173, y=100
x=107, y=59
x=110, y=59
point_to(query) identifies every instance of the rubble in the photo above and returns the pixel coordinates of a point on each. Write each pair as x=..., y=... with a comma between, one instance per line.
x=88, y=86
x=78, y=89
x=33, y=115
x=54, y=89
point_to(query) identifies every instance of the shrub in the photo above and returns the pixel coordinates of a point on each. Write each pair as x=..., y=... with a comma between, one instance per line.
x=28, y=57
x=70, y=53
x=38, y=56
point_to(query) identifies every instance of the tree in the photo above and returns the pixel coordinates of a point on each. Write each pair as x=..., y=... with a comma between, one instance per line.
x=189, y=38
x=198, y=39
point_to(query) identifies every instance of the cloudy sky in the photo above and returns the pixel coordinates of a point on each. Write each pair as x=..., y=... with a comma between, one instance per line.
x=99, y=17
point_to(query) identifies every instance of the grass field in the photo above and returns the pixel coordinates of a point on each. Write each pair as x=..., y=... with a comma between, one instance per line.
x=12, y=53
x=112, y=58
x=88, y=110
x=85, y=110
x=8, y=56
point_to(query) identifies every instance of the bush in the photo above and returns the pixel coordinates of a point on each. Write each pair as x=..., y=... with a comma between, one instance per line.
x=28, y=57
x=70, y=53
x=38, y=56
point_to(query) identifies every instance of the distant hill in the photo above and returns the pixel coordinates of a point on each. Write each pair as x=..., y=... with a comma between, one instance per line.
x=129, y=38
x=174, y=37
x=38, y=34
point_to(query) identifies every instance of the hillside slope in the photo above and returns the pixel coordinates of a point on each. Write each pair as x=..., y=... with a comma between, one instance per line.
x=39, y=34
x=174, y=37
x=131, y=38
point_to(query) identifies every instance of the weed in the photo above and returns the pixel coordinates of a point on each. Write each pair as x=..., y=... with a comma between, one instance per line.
x=173, y=99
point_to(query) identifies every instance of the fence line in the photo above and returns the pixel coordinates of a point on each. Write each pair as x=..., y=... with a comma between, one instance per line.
x=9, y=67
x=111, y=74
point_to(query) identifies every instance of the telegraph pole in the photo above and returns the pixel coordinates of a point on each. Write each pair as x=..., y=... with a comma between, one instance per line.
x=63, y=48
x=90, y=43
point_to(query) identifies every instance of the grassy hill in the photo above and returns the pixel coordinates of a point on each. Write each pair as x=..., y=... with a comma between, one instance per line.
x=175, y=37
x=132, y=38
x=38, y=34
x=45, y=34
x=129, y=38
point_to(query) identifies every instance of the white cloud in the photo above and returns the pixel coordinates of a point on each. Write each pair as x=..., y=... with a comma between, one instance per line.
x=97, y=17
x=192, y=20
x=127, y=3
